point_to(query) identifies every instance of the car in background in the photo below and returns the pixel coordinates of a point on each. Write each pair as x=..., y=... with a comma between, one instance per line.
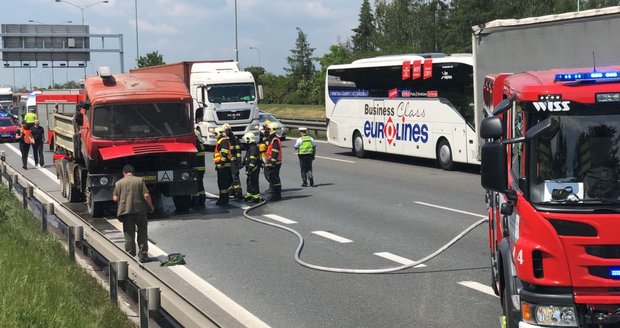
x=8, y=129
x=263, y=116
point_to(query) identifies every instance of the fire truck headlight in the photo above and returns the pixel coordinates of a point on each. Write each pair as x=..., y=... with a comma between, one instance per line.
x=184, y=176
x=103, y=181
x=549, y=315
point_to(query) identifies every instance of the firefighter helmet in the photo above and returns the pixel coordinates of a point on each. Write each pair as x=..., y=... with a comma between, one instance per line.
x=220, y=132
x=273, y=126
x=226, y=126
x=249, y=137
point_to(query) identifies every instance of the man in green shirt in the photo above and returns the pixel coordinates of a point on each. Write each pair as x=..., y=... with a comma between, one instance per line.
x=134, y=201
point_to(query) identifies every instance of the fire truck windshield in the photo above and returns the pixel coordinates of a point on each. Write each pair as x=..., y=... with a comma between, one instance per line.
x=578, y=161
x=139, y=121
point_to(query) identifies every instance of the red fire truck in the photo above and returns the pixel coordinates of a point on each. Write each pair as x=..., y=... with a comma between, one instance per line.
x=550, y=167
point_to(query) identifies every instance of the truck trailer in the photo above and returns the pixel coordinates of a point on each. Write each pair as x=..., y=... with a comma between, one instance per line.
x=222, y=94
x=576, y=39
x=139, y=119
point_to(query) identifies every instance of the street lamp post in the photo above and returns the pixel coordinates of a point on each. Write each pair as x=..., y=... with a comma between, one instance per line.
x=258, y=50
x=236, y=35
x=81, y=8
x=137, y=46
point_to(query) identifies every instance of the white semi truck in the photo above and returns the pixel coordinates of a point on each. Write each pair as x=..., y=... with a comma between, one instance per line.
x=221, y=93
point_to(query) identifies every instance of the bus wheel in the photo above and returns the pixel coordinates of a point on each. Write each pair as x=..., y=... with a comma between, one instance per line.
x=358, y=145
x=444, y=155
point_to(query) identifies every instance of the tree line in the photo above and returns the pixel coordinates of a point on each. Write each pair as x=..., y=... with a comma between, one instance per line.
x=393, y=27
x=399, y=27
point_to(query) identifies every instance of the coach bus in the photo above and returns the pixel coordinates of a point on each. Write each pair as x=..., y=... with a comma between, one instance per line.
x=416, y=105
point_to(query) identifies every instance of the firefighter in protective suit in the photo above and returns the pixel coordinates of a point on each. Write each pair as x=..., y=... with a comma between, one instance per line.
x=262, y=149
x=274, y=162
x=199, y=165
x=252, y=163
x=222, y=159
x=235, y=163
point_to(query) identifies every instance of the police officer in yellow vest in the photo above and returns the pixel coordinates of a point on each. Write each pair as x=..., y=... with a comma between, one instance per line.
x=222, y=159
x=30, y=117
x=199, y=165
x=306, y=149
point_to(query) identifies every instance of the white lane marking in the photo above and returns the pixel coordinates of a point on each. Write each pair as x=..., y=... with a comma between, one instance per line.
x=230, y=306
x=31, y=161
x=451, y=209
x=333, y=237
x=398, y=259
x=335, y=159
x=279, y=219
x=479, y=287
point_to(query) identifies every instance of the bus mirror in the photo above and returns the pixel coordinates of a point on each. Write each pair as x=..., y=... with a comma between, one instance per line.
x=493, y=172
x=491, y=128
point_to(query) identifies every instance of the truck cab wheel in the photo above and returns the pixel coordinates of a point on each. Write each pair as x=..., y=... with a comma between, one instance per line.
x=513, y=316
x=182, y=203
x=95, y=209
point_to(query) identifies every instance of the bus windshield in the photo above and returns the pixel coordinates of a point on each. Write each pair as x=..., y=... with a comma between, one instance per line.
x=578, y=158
x=234, y=92
x=139, y=121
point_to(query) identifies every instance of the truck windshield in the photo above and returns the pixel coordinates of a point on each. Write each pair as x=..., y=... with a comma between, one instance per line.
x=234, y=92
x=139, y=121
x=578, y=160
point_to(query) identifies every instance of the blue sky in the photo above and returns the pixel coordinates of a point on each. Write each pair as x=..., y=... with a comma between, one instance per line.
x=189, y=30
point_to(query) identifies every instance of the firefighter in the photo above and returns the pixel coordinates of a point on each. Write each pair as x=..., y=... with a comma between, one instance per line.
x=235, y=167
x=274, y=162
x=262, y=149
x=199, y=165
x=222, y=159
x=252, y=163
x=306, y=149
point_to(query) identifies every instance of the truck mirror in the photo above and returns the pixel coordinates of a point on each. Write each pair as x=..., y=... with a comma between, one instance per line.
x=493, y=172
x=79, y=119
x=199, y=114
x=261, y=95
x=545, y=129
x=491, y=128
x=502, y=107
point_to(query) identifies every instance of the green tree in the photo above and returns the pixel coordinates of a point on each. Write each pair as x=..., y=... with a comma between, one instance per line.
x=363, y=39
x=151, y=59
x=301, y=60
x=257, y=72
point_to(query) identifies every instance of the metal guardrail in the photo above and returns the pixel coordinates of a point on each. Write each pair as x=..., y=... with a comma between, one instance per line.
x=314, y=126
x=180, y=308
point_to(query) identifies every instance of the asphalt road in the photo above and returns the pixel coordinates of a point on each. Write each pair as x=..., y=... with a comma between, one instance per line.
x=386, y=210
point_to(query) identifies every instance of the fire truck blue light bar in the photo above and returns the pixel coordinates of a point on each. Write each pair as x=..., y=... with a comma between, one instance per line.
x=614, y=272
x=586, y=76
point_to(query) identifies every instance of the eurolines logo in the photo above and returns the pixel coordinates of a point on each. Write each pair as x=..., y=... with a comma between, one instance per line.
x=391, y=131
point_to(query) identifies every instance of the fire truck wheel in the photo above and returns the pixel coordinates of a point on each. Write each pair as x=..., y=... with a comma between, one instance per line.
x=512, y=315
x=358, y=145
x=182, y=203
x=444, y=155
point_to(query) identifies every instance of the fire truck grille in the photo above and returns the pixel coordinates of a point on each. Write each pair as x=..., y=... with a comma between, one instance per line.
x=570, y=228
x=604, y=251
x=146, y=149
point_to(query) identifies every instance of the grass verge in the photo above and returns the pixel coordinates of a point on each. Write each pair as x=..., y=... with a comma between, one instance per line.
x=39, y=286
x=295, y=112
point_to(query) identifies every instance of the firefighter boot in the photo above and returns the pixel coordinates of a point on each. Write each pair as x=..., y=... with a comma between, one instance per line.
x=276, y=194
x=223, y=200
